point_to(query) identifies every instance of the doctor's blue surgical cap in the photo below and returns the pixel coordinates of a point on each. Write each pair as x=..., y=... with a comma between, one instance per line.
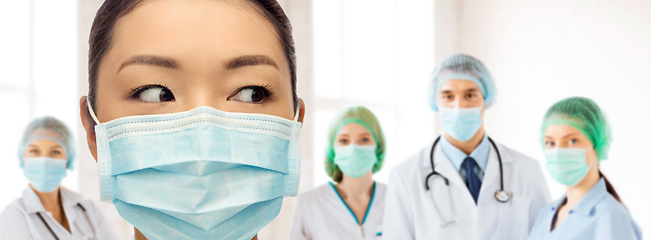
x=465, y=67
x=49, y=128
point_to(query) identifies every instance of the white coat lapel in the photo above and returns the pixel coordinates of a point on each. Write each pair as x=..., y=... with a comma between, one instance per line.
x=491, y=182
x=445, y=168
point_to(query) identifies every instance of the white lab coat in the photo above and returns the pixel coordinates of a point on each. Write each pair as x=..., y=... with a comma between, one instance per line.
x=410, y=212
x=20, y=220
x=321, y=214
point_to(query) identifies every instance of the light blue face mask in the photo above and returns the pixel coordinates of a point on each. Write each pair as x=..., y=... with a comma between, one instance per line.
x=43, y=173
x=355, y=160
x=567, y=165
x=200, y=174
x=460, y=123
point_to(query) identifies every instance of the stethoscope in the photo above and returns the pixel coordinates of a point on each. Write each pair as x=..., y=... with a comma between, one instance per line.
x=82, y=233
x=500, y=195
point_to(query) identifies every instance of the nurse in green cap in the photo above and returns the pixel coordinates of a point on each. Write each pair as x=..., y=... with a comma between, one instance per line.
x=575, y=137
x=353, y=206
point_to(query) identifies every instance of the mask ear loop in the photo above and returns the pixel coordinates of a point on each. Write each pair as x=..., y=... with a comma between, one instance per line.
x=92, y=113
x=298, y=109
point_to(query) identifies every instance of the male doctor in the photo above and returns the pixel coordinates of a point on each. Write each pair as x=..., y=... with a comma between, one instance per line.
x=466, y=195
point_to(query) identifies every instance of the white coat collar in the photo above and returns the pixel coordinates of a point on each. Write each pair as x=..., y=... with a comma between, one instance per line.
x=33, y=203
x=492, y=173
x=426, y=158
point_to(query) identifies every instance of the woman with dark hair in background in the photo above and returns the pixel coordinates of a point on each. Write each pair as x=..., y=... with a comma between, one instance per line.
x=576, y=138
x=192, y=115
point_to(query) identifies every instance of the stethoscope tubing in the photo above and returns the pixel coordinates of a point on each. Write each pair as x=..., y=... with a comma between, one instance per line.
x=447, y=182
x=52, y=231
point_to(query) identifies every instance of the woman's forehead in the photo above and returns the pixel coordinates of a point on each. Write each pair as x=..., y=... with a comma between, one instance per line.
x=562, y=130
x=353, y=128
x=200, y=33
x=44, y=143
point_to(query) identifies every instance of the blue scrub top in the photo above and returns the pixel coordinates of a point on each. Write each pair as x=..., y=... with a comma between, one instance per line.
x=598, y=215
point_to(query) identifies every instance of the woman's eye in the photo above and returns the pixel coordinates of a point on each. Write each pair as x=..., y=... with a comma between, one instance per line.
x=573, y=141
x=471, y=95
x=251, y=94
x=33, y=151
x=55, y=152
x=153, y=93
x=365, y=140
x=549, y=144
x=343, y=141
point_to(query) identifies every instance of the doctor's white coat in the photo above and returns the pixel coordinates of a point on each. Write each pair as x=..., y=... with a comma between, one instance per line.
x=20, y=219
x=410, y=212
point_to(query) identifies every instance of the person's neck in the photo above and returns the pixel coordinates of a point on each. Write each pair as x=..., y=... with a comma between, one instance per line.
x=357, y=188
x=469, y=146
x=138, y=235
x=575, y=193
x=50, y=200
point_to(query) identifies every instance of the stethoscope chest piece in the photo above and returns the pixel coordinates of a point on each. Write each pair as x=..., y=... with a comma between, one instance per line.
x=502, y=196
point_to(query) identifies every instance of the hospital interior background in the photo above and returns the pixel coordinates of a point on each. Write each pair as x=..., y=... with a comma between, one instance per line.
x=379, y=54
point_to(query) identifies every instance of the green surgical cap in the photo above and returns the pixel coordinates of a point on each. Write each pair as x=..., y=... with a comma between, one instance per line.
x=361, y=116
x=584, y=115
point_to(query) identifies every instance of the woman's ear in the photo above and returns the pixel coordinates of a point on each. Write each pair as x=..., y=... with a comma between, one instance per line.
x=301, y=110
x=89, y=125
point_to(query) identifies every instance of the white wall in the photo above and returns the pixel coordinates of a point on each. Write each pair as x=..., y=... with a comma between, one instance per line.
x=541, y=51
x=37, y=78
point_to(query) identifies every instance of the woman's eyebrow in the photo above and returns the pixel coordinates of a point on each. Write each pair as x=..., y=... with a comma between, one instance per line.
x=150, y=60
x=250, y=60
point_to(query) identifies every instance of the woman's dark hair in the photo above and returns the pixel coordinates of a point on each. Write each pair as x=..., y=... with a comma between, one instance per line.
x=610, y=188
x=111, y=11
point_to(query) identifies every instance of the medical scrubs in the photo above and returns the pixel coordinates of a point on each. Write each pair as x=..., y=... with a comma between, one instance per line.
x=598, y=215
x=322, y=214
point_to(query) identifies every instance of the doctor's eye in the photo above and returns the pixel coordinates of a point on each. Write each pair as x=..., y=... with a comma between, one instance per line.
x=471, y=95
x=572, y=141
x=56, y=152
x=251, y=94
x=33, y=151
x=343, y=141
x=152, y=93
x=365, y=140
x=549, y=144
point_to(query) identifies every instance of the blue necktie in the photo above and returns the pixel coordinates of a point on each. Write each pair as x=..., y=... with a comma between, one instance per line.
x=472, y=181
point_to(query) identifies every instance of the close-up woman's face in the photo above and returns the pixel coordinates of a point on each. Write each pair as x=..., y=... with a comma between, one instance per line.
x=566, y=136
x=354, y=133
x=171, y=56
x=45, y=148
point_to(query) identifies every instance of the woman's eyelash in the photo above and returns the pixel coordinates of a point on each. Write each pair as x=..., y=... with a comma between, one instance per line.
x=266, y=89
x=136, y=91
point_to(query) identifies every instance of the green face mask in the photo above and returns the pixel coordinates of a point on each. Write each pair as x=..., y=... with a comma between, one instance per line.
x=567, y=165
x=355, y=160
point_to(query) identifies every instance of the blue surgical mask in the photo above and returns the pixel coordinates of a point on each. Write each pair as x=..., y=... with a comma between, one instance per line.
x=355, y=160
x=567, y=165
x=43, y=173
x=200, y=174
x=460, y=123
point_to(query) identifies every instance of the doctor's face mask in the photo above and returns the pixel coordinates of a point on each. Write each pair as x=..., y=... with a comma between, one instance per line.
x=461, y=108
x=193, y=102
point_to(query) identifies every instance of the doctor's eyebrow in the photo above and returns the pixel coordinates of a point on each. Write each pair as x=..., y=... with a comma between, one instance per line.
x=474, y=89
x=250, y=60
x=150, y=60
